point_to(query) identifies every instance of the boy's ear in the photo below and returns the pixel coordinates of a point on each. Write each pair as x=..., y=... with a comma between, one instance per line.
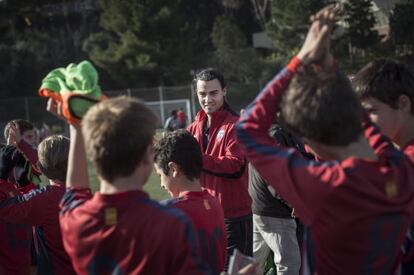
x=174, y=169
x=404, y=103
x=224, y=91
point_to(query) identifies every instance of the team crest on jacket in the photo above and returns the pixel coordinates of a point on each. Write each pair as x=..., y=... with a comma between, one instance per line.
x=220, y=134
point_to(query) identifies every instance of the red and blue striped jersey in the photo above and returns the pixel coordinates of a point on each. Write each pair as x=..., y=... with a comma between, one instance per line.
x=208, y=219
x=358, y=209
x=14, y=239
x=40, y=208
x=127, y=233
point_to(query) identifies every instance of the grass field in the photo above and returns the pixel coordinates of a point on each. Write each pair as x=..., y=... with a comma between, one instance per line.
x=153, y=186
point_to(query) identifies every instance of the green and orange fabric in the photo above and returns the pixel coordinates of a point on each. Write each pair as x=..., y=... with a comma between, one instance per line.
x=75, y=86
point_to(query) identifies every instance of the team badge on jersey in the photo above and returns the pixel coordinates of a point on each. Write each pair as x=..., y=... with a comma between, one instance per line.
x=110, y=216
x=391, y=189
x=220, y=134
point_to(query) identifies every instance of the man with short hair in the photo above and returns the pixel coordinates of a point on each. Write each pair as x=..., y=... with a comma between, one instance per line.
x=225, y=169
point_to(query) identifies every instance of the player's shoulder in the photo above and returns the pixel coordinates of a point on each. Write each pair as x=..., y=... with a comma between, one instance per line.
x=166, y=210
x=74, y=198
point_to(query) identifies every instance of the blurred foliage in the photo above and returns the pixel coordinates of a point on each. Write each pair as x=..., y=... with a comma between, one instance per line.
x=147, y=43
x=36, y=39
x=289, y=23
x=402, y=26
x=360, y=21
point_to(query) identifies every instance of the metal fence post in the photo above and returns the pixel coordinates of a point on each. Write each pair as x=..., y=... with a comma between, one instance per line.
x=161, y=95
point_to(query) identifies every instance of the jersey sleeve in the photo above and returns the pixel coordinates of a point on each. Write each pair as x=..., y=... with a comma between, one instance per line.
x=188, y=259
x=28, y=152
x=27, y=208
x=303, y=183
x=73, y=198
x=232, y=164
x=381, y=144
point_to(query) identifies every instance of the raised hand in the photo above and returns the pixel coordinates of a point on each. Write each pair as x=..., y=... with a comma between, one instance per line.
x=14, y=136
x=317, y=41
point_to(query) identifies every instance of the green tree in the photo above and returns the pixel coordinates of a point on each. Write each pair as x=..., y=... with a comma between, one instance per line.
x=36, y=39
x=361, y=21
x=289, y=22
x=149, y=42
x=402, y=26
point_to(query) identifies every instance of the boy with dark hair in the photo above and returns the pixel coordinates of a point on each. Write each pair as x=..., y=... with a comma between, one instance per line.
x=178, y=161
x=40, y=207
x=26, y=129
x=386, y=90
x=225, y=171
x=119, y=229
x=25, y=173
x=358, y=205
x=18, y=172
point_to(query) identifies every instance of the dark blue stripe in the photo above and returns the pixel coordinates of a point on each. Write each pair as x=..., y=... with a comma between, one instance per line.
x=69, y=202
x=169, y=202
x=24, y=198
x=189, y=231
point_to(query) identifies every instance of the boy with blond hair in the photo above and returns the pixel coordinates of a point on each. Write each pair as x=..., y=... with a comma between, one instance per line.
x=120, y=230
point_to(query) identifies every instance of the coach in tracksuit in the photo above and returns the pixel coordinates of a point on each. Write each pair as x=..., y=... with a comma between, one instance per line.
x=225, y=169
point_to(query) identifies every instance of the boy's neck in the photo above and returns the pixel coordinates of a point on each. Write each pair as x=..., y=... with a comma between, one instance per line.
x=190, y=186
x=359, y=149
x=406, y=134
x=121, y=185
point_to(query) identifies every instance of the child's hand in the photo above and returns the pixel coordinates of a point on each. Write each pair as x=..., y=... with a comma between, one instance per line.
x=316, y=44
x=14, y=136
x=54, y=108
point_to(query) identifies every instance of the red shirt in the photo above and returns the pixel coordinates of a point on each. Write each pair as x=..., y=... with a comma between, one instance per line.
x=409, y=150
x=207, y=216
x=225, y=170
x=358, y=210
x=40, y=208
x=127, y=233
x=14, y=239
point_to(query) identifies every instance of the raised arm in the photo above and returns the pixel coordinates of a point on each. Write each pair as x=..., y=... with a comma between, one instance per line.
x=381, y=144
x=77, y=173
x=28, y=208
x=295, y=179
